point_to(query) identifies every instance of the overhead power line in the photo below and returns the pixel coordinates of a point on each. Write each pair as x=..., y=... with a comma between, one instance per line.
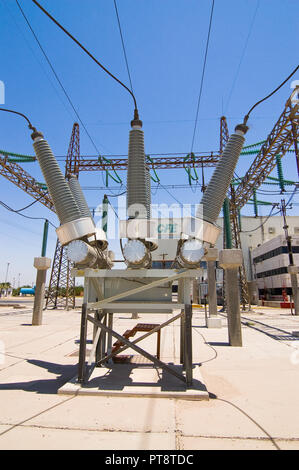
x=123, y=44
x=56, y=76
x=85, y=50
x=270, y=94
x=203, y=73
x=3, y=204
x=19, y=114
x=243, y=53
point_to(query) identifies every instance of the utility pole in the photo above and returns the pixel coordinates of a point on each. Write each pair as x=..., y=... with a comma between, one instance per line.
x=292, y=269
x=6, y=275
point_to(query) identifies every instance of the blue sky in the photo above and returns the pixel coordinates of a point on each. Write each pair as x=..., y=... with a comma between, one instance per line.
x=165, y=42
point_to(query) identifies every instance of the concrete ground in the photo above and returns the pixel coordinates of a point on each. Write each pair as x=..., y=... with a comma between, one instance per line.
x=254, y=390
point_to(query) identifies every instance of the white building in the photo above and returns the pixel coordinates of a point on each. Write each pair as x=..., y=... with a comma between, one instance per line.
x=270, y=264
x=265, y=251
x=259, y=236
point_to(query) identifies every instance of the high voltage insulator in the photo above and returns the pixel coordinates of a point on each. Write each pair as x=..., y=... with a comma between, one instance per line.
x=21, y=159
x=79, y=196
x=257, y=144
x=250, y=152
x=214, y=195
x=137, y=180
x=280, y=173
x=105, y=214
x=65, y=204
x=255, y=205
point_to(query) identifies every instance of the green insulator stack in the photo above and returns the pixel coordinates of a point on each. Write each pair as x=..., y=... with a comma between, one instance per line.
x=255, y=206
x=280, y=173
x=105, y=214
x=21, y=159
x=226, y=224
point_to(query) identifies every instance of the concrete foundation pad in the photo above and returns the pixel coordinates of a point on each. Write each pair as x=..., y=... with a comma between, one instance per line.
x=128, y=380
x=214, y=322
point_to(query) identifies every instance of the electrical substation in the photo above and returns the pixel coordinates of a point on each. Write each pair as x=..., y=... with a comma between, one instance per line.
x=161, y=271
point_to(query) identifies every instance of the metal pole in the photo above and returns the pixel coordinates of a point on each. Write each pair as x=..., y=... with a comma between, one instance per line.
x=292, y=269
x=6, y=275
x=45, y=238
x=82, y=350
x=105, y=214
x=227, y=226
x=188, y=344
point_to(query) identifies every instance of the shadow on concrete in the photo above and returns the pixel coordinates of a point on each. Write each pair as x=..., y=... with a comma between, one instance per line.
x=119, y=376
x=215, y=343
x=44, y=386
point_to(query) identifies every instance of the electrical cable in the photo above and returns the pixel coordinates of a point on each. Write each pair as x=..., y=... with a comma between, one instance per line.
x=116, y=195
x=268, y=96
x=26, y=216
x=57, y=77
x=20, y=114
x=208, y=344
x=268, y=217
x=211, y=395
x=203, y=72
x=242, y=55
x=123, y=44
x=171, y=195
x=113, y=208
x=294, y=192
x=59, y=81
x=215, y=397
x=272, y=215
x=31, y=204
x=201, y=87
x=85, y=50
x=35, y=56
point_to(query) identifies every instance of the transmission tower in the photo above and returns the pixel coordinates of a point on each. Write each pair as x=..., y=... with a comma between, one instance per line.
x=61, y=292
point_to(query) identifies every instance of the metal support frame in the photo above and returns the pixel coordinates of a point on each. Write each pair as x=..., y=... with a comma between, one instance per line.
x=101, y=354
x=61, y=292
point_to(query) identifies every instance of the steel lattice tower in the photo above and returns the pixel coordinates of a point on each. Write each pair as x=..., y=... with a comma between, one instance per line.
x=61, y=292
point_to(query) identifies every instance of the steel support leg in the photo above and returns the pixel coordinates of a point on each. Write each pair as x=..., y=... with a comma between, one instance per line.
x=182, y=339
x=188, y=344
x=82, y=349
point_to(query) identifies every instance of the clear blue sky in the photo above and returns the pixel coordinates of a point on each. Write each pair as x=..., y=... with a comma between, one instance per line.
x=165, y=42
